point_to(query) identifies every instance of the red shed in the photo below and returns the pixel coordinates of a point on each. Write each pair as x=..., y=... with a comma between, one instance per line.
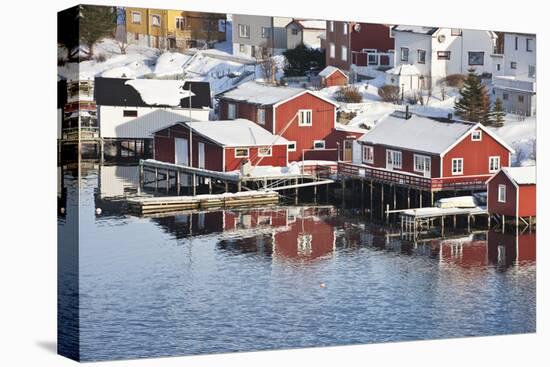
x=220, y=145
x=432, y=154
x=332, y=76
x=303, y=117
x=512, y=193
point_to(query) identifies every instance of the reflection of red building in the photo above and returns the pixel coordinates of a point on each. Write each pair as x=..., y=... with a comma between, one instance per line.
x=466, y=252
x=510, y=247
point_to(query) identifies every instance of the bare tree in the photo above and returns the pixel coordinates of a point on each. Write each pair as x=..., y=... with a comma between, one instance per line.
x=267, y=63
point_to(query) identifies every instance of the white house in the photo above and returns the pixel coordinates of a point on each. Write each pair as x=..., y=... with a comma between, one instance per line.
x=255, y=36
x=515, y=76
x=306, y=32
x=438, y=52
x=405, y=76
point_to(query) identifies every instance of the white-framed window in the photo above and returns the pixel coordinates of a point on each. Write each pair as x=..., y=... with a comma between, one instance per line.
x=457, y=166
x=476, y=135
x=394, y=159
x=241, y=152
x=155, y=20
x=476, y=58
x=516, y=42
x=305, y=117
x=242, y=49
x=264, y=152
x=294, y=31
x=180, y=23
x=422, y=163
x=529, y=45
x=404, y=54
x=494, y=164
x=244, y=31
x=266, y=32
x=345, y=28
x=456, y=32
x=319, y=144
x=501, y=193
x=332, y=50
x=261, y=116
x=421, y=56
x=331, y=26
x=291, y=146
x=344, y=53
x=513, y=65
x=368, y=154
x=231, y=111
x=136, y=17
x=443, y=55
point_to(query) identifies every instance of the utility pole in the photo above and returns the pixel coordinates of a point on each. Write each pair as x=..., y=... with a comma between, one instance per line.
x=190, y=130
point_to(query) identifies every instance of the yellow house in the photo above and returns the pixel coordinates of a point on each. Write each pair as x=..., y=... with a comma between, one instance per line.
x=170, y=29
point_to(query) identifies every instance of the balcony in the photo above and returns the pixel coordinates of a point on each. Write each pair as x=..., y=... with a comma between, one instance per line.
x=411, y=180
x=514, y=83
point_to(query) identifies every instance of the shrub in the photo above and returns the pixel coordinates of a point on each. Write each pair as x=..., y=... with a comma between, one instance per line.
x=389, y=93
x=100, y=58
x=348, y=94
x=455, y=80
x=412, y=98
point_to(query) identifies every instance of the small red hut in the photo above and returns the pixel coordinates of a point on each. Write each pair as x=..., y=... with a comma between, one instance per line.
x=220, y=145
x=332, y=76
x=511, y=192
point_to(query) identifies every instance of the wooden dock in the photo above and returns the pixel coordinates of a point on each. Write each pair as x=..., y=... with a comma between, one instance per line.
x=152, y=205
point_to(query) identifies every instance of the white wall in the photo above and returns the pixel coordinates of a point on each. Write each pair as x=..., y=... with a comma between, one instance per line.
x=414, y=42
x=112, y=124
x=521, y=56
x=312, y=37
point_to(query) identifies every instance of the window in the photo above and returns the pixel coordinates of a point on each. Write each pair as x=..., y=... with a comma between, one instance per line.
x=476, y=135
x=372, y=59
x=529, y=45
x=242, y=48
x=475, y=58
x=305, y=118
x=458, y=166
x=291, y=147
x=136, y=36
x=344, y=53
x=241, y=152
x=532, y=71
x=180, y=23
x=261, y=116
x=244, y=31
x=494, y=164
x=422, y=163
x=136, y=17
x=456, y=32
x=501, y=193
x=155, y=20
x=294, y=31
x=368, y=154
x=345, y=28
x=421, y=56
x=404, y=54
x=266, y=32
x=505, y=96
x=498, y=67
x=319, y=144
x=129, y=113
x=394, y=159
x=264, y=152
x=520, y=99
x=443, y=55
x=331, y=26
x=513, y=65
x=231, y=111
x=332, y=50
x=516, y=41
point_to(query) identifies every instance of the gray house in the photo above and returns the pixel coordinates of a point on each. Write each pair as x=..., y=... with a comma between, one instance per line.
x=257, y=36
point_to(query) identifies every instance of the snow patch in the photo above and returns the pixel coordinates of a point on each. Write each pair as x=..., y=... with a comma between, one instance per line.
x=160, y=92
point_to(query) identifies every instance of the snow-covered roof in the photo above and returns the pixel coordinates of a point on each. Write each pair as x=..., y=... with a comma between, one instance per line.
x=352, y=129
x=418, y=133
x=329, y=70
x=415, y=29
x=404, y=69
x=236, y=133
x=266, y=95
x=312, y=24
x=522, y=175
x=160, y=92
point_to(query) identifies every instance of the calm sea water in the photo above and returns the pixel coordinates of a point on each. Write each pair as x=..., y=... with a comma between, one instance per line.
x=276, y=277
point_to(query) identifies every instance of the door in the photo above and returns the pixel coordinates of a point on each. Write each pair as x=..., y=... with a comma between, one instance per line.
x=201, y=155
x=181, y=151
x=427, y=165
x=348, y=150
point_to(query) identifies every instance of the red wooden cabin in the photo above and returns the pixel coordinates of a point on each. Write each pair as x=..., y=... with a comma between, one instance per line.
x=429, y=154
x=512, y=192
x=304, y=118
x=332, y=76
x=220, y=145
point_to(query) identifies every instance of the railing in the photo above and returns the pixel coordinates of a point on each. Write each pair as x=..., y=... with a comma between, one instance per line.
x=519, y=84
x=412, y=180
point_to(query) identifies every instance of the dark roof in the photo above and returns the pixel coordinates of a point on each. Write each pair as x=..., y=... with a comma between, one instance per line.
x=114, y=92
x=61, y=93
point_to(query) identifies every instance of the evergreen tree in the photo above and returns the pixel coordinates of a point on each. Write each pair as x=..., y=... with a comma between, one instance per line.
x=96, y=22
x=473, y=104
x=498, y=113
x=302, y=59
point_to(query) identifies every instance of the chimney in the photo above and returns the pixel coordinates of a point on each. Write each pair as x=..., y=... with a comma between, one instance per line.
x=450, y=117
x=407, y=114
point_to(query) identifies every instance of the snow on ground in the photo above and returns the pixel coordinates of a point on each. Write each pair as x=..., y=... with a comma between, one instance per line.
x=160, y=92
x=521, y=136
